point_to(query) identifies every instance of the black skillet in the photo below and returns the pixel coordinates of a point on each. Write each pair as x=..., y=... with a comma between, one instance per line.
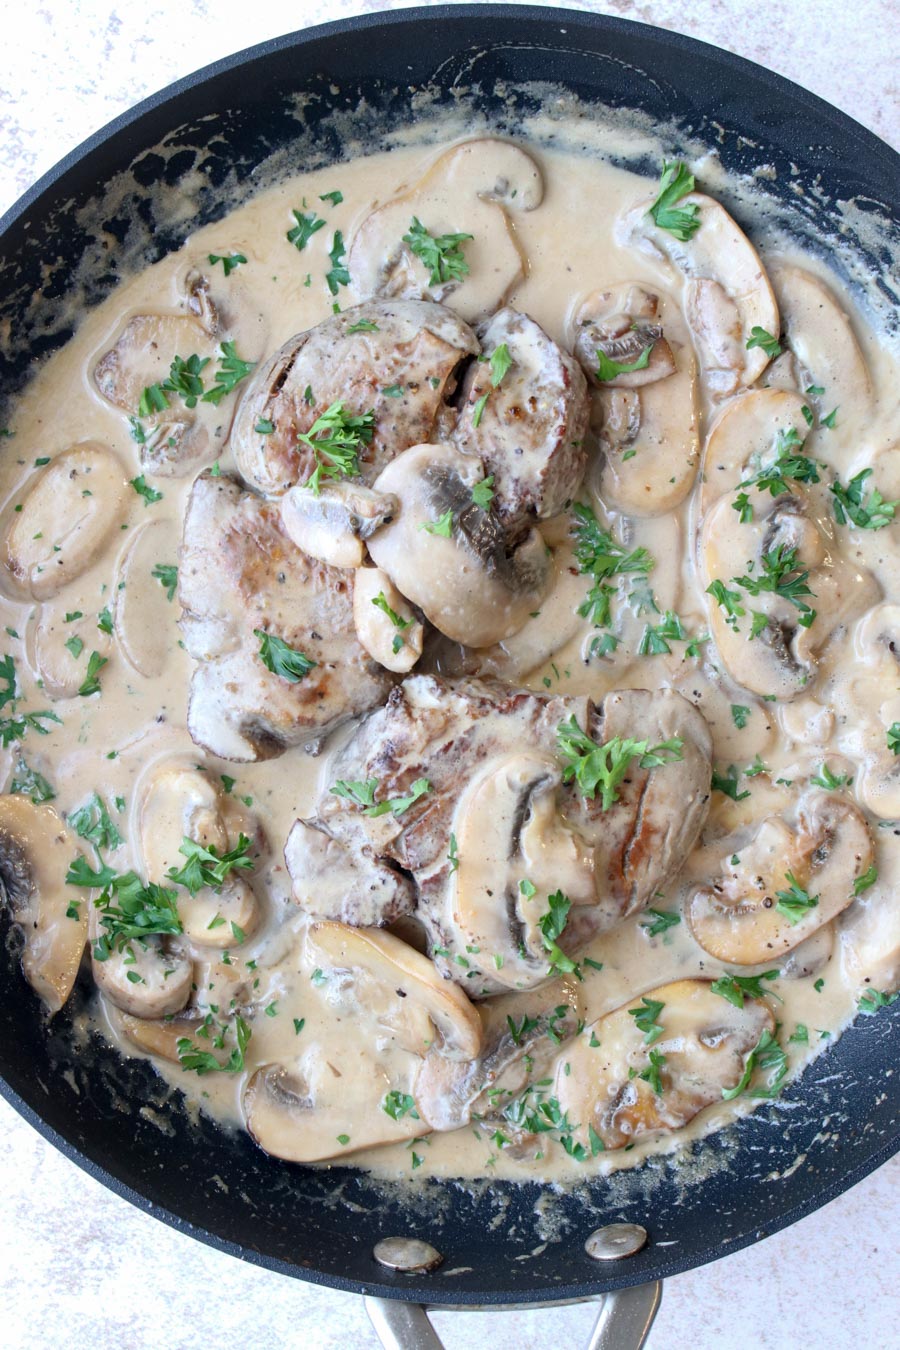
x=322, y=1225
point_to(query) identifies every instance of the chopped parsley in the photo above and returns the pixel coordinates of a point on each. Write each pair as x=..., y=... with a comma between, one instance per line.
x=229, y=262
x=873, y=999
x=760, y=337
x=866, y=510
x=362, y=793
x=399, y=1104
x=740, y=715
x=207, y=867
x=727, y=783
x=681, y=221
x=143, y=489
x=893, y=738
x=795, y=903
x=167, y=576
x=91, y=682
x=767, y=1056
x=551, y=925
x=735, y=988
x=281, y=659
x=646, y=1019
x=305, y=228
x=337, y=275
x=204, y=1061
x=30, y=783
x=229, y=374
x=94, y=823
x=662, y=920
x=608, y=369
x=442, y=254
x=594, y=766
x=483, y=493
x=443, y=526
x=500, y=361
x=336, y=438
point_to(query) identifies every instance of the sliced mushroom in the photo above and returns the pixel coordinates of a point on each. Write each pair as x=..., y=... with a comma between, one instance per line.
x=604, y=1080
x=473, y=584
x=385, y=966
x=61, y=668
x=311, y=1110
x=385, y=624
x=333, y=524
x=36, y=850
x=809, y=956
x=740, y=917
x=647, y=419
x=821, y=337
x=869, y=931
x=509, y=830
x=219, y=991
x=144, y=612
x=727, y=292
x=522, y=1035
x=181, y=803
x=68, y=514
x=147, y=978
x=331, y=881
x=744, y=438
x=867, y=701
x=394, y=358
x=469, y=189
x=623, y=324
x=528, y=430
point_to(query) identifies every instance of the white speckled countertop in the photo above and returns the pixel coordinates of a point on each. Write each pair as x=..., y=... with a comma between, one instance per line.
x=79, y=1268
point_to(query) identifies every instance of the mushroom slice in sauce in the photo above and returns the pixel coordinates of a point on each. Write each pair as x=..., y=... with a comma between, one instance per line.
x=745, y=437
x=727, y=292
x=451, y=557
x=381, y=962
x=385, y=624
x=524, y=419
x=867, y=701
x=522, y=1035
x=822, y=339
x=514, y=849
x=781, y=659
x=786, y=883
x=181, y=803
x=469, y=189
x=69, y=513
x=148, y=978
x=394, y=358
x=647, y=418
x=605, y=1079
x=145, y=613
x=36, y=850
x=240, y=574
x=57, y=665
x=312, y=1110
x=334, y=523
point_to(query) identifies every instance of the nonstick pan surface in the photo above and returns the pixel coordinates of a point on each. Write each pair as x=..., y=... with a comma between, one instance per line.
x=502, y=1243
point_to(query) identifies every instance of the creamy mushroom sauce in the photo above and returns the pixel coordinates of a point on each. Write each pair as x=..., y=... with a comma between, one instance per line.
x=582, y=240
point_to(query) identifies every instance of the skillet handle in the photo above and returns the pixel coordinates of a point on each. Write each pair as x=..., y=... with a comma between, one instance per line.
x=623, y=1323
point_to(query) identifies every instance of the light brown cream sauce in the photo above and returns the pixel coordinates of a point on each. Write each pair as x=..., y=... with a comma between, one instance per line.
x=110, y=743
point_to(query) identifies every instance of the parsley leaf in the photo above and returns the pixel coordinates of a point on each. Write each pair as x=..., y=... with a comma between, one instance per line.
x=605, y=766
x=740, y=715
x=204, y=1061
x=229, y=375
x=681, y=221
x=651, y=1074
x=167, y=576
x=398, y=1104
x=229, y=262
x=767, y=1054
x=608, y=369
x=442, y=254
x=206, y=866
x=306, y=227
x=728, y=784
x=336, y=438
x=661, y=922
x=363, y=794
x=281, y=659
x=893, y=738
x=91, y=682
x=184, y=379
x=760, y=337
x=30, y=783
x=735, y=988
x=143, y=489
x=656, y=638
x=143, y=910
x=824, y=778
x=337, y=275
x=483, y=493
x=873, y=999
x=94, y=823
x=795, y=903
x=551, y=925
x=868, y=511
x=646, y=1019
x=443, y=526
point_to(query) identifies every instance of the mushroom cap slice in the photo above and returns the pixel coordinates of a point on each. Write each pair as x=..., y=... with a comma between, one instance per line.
x=468, y=189
x=528, y=431
x=522, y=1034
x=46, y=635
x=144, y=615
x=395, y=645
x=704, y=1042
x=181, y=803
x=147, y=979
x=728, y=292
x=304, y=1113
x=743, y=436
x=36, y=850
x=648, y=419
x=473, y=585
x=69, y=513
x=333, y=523
x=867, y=702
x=509, y=830
x=409, y=348
x=822, y=339
x=378, y=959
x=740, y=918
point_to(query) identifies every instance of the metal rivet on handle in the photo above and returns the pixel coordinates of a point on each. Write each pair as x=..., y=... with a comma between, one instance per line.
x=408, y=1255
x=615, y=1241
